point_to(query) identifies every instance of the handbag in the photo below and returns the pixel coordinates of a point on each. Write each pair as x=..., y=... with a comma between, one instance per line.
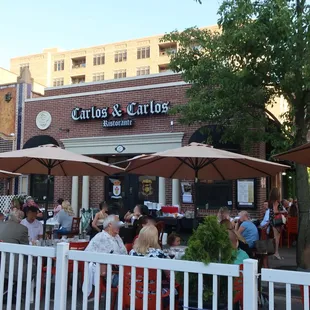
x=266, y=246
x=278, y=220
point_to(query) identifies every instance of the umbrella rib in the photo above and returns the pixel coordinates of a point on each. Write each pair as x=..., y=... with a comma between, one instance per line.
x=186, y=163
x=244, y=164
x=144, y=164
x=96, y=168
x=218, y=171
x=23, y=165
x=175, y=171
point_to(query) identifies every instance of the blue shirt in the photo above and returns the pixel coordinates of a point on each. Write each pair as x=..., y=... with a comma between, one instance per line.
x=250, y=233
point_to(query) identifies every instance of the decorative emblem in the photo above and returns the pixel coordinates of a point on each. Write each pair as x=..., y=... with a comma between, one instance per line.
x=117, y=189
x=43, y=120
x=120, y=149
x=147, y=189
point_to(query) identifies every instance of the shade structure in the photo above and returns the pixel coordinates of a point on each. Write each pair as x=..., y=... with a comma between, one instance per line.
x=203, y=162
x=300, y=155
x=53, y=160
x=6, y=174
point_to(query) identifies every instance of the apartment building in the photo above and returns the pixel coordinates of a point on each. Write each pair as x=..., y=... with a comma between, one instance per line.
x=140, y=57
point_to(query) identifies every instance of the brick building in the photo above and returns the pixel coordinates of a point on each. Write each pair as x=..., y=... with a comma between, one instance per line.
x=73, y=116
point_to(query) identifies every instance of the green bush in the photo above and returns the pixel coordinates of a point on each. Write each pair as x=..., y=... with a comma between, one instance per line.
x=210, y=243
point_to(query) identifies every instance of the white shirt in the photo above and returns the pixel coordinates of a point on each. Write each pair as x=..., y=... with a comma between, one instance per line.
x=266, y=218
x=34, y=229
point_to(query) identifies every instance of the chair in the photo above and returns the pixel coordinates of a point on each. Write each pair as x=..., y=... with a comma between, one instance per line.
x=114, y=291
x=161, y=229
x=75, y=228
x=139, y=289
x=291, y=228
x=238, y=288
x=128, y=247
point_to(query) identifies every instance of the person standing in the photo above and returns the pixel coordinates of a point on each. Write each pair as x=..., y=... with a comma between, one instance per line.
x=58, y=207
x=100, y=216
x=35, y=228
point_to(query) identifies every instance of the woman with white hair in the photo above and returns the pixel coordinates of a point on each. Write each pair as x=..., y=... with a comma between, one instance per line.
x=108, y=242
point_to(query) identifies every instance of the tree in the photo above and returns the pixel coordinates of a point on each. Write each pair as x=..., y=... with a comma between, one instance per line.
x=260, y=52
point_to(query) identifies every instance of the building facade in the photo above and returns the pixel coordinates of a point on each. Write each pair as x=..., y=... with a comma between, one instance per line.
x=116, y=120
x=54, y=67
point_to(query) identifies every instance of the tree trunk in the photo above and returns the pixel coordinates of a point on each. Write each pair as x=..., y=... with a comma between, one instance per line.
x=303, y=196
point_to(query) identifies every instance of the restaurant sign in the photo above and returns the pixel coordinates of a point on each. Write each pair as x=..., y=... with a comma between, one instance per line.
x=121, y=117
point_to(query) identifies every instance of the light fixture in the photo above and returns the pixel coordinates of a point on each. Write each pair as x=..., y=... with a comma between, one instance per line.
x=8, y=97
x=290, y=177
x=283, y=173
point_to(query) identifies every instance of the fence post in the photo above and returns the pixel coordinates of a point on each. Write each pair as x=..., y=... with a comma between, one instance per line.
x=250, y=287
x=60, y=298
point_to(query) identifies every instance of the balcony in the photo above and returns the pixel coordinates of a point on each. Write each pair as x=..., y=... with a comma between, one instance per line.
x=78, y=79
x=163, y=68
x=167, y=49
x=79, y=62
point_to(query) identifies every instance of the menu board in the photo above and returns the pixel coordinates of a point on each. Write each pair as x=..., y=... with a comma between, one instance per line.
x=246, y=193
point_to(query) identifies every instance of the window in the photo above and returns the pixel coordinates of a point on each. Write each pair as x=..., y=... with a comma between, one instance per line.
x=143, y=71
x=38, y=187
x=143, y=52
x=59, y=65
x=98, y=76
x=167, y=49
x=119, y=74
x=99, y=59
x=78, y=79
x=25, y=65
x=120, y=56
x=58, y=82
x=79, y=62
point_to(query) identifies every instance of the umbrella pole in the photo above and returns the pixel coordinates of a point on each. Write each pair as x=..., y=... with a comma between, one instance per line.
x=45, y=215
x=195, y=200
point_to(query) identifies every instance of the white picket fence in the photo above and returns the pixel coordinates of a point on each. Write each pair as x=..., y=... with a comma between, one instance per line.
x=57, y=259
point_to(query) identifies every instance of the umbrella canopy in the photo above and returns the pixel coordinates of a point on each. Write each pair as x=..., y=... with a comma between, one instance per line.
x=300, y=155
x=201, y=161
x=53, y=160
x=6, y=174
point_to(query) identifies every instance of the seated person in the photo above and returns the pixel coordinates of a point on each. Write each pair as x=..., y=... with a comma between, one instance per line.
x=109, y=242
x=247, y=229
x=240, y=254
x=173, y=240
x=31, y=203
x=64, y=218
x=58, y=207
x=138, y=211
x=142, y=222
x=35, y=228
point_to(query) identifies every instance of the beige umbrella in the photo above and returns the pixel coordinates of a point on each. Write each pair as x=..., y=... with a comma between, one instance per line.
x=6, y=174
x=53, y=160
x=300, y=155
x=200, y=161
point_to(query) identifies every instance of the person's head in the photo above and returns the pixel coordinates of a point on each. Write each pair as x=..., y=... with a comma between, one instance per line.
x=233, y=239
x=32, y=214
x=274, y=195
x=13, y=217
x=1, y=217
x=111, y=225
x=137, y=210
x=244, y=216
x=103, y=206
x=266, y=205
x=66, y=206
x=227, y=224
x=17, y=204
x=285, y=203
x=60, y=201
x=223, y=213
x=148, y=238
x=30, y=201
x=145, y=210
x=174, y=239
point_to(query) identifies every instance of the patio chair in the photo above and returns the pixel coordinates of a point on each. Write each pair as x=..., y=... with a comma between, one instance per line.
x=291, y=228
x=238, y=289
x=128, y=247
x=75, y=229
x=103, y=289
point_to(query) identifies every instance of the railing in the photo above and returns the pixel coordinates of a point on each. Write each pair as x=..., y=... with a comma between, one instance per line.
x=289, y=278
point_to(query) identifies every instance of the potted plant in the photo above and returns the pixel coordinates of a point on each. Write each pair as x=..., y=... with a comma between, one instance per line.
x=209, y=243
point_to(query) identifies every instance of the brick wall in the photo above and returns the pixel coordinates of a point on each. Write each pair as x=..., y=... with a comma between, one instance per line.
x=61, y=108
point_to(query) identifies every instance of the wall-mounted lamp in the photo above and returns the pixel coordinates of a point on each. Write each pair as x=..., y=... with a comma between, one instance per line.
x=8, y=97
x=283, y=173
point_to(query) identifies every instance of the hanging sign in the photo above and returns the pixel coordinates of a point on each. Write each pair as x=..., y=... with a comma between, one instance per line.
x=118, y=113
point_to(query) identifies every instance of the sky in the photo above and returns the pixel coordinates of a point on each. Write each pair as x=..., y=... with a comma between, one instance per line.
x=27, y=27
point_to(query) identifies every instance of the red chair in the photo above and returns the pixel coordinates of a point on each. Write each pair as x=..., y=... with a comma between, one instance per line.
x=128, y=247
x=291, y=228
x=139, y=289
x=103, y=289
x=238, y=288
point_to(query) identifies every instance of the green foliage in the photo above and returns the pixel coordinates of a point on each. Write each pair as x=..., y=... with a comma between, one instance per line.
x=260, y=52
x=210, y=243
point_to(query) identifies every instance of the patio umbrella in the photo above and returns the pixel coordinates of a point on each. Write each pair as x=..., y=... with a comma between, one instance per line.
x=198, y=161
x=6, y=174
x=300, y=155
x=53, y=160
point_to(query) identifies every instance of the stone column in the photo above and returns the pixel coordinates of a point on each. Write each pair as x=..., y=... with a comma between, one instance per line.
x=85, y=192
x=175, y=192
x=162, y=191
x=75, y=195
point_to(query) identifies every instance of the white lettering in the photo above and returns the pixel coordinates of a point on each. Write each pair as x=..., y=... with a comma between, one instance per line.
x=165, y=107
x=131, y=109
x=75, y=115
x=104, y=113
x=157, y=108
